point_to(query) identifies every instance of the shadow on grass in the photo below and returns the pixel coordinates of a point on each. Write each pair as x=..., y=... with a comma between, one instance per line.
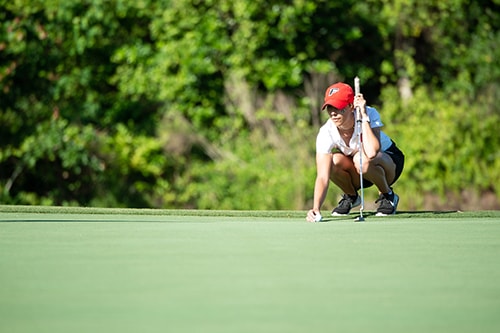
x=371, y=216
x=428, y=212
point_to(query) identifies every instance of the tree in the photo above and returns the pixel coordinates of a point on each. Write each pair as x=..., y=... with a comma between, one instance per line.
x=216, y=103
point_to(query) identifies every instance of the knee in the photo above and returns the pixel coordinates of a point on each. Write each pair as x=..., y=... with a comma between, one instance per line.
x=341, y=162
x=336, y=167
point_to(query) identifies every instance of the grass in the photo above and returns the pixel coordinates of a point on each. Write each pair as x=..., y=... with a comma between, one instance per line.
x=69, y=269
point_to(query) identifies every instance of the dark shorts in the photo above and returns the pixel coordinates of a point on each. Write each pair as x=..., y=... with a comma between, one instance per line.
x=399, y=159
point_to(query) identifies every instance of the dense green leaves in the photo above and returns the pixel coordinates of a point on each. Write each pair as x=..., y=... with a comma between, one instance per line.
x=215, y=104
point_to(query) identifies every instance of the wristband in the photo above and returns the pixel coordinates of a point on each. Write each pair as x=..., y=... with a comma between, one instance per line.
x=366, y=120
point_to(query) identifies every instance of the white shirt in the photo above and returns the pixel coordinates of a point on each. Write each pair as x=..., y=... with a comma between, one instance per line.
x=329, y=139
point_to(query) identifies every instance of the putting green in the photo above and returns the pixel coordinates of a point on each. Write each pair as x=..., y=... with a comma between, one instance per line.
x=135, y=270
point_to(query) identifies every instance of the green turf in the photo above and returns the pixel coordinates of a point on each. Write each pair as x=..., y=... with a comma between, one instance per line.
x=98, y=270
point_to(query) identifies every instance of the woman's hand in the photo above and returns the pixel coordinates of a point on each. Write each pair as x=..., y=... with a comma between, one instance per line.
x=313, y=216
x=359, y=101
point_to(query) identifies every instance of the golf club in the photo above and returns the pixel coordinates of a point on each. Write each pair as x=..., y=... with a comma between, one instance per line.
x=359, y=124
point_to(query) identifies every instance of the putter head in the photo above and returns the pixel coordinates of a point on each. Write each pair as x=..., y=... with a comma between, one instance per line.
x=359, y=219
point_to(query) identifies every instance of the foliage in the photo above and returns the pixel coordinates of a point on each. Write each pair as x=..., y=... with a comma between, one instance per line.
x=54, y=165
x=455, y=148
x=214, y=104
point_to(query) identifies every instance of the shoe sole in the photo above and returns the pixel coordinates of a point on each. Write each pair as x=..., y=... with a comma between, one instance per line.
x=384, y=214
x=396, y=202
x=338, y=214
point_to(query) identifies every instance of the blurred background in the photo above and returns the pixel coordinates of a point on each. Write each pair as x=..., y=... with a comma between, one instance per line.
x=216, y=104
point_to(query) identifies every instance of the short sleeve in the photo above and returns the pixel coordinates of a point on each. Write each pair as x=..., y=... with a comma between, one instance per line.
x=375, y=120
x=324, y=142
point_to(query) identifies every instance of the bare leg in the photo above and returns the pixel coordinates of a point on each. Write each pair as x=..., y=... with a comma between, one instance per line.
x=344, y=174
x=381, y=171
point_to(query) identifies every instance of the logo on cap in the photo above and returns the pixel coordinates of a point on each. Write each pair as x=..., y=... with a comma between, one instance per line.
x=333, y=91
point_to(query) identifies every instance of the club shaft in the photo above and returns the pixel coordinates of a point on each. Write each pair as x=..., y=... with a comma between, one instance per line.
x=360, y=145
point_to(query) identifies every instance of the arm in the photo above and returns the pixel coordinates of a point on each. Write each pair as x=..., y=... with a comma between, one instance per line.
x=323, y=166
x=371, y=140
x=371, y=136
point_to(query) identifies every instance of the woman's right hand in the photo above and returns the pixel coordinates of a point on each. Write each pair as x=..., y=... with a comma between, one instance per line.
x=313, y=216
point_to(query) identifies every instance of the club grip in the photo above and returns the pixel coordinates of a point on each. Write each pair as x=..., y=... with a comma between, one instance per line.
x=356, y=86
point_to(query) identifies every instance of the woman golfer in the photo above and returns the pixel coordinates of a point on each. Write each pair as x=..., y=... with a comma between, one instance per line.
x=337, y=158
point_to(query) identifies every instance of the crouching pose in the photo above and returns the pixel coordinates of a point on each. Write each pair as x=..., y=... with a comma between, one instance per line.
x=337, y=158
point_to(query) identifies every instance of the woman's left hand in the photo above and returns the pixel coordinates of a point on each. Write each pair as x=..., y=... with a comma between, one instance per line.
x=359, y=101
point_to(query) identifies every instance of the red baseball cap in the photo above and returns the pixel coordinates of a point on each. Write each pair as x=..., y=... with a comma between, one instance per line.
x=338, y=95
